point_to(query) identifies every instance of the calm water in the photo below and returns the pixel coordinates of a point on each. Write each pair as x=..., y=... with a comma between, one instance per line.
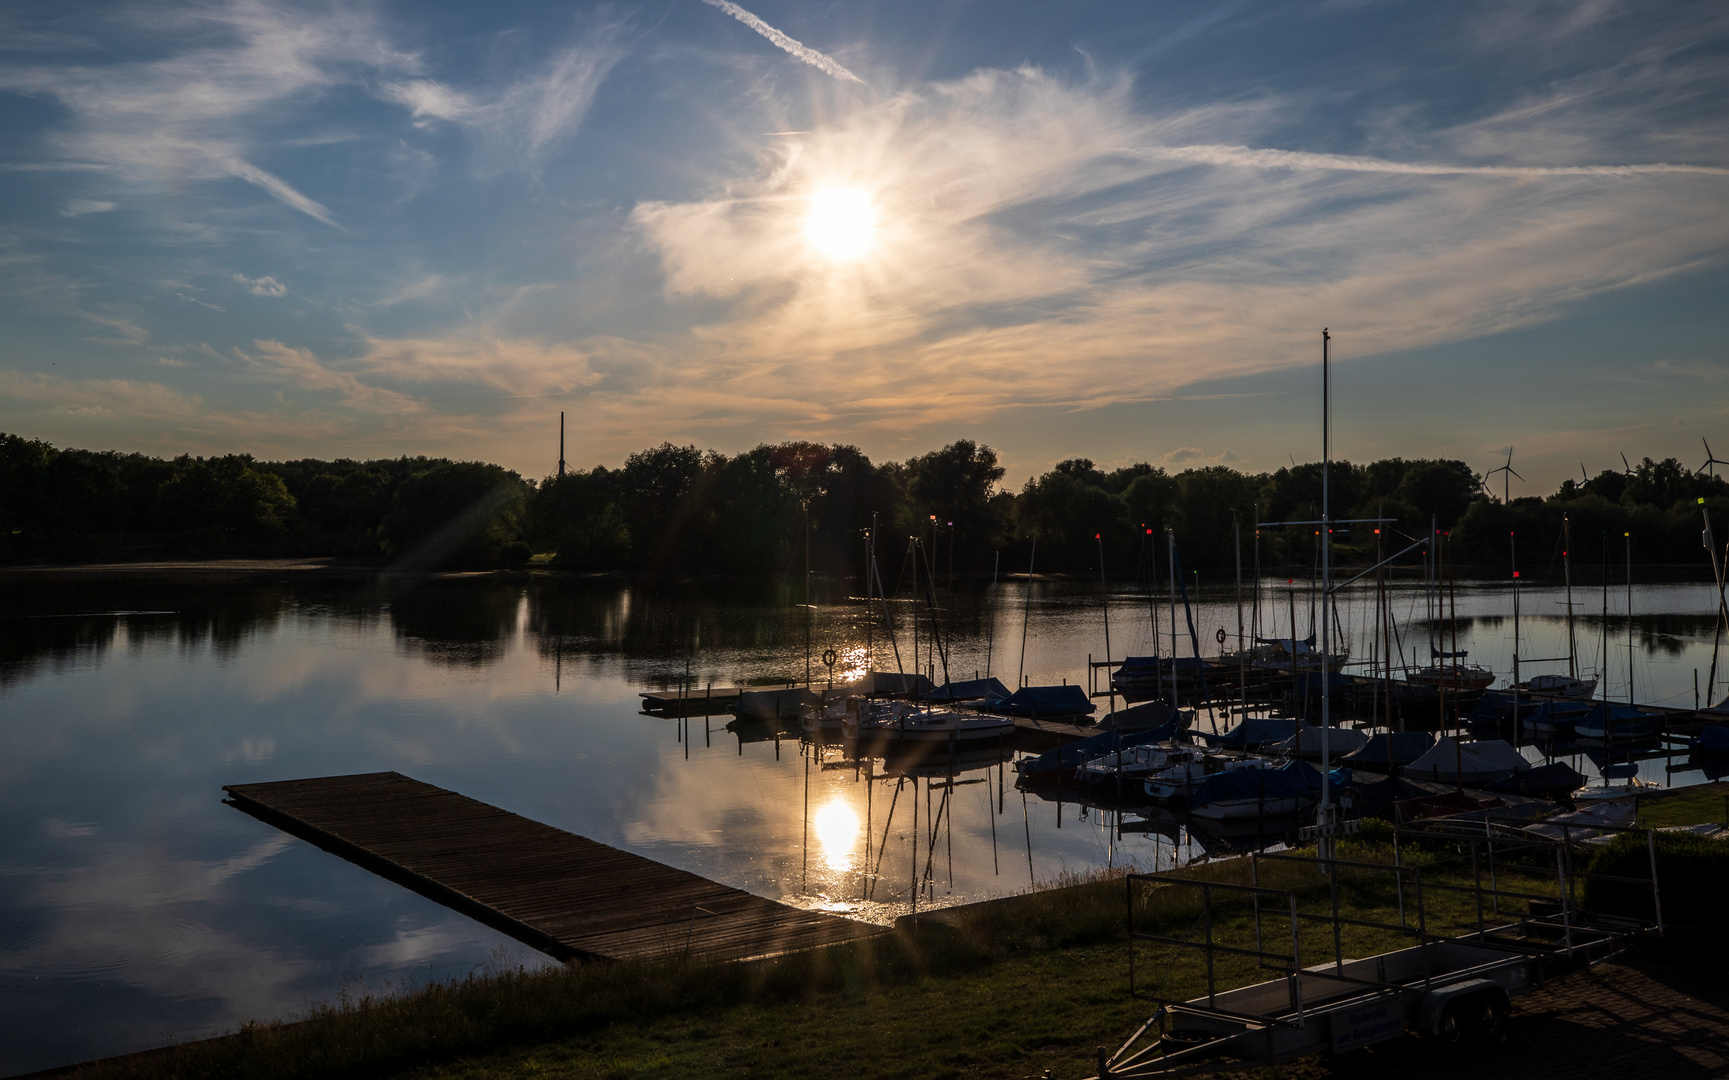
x=135, y=907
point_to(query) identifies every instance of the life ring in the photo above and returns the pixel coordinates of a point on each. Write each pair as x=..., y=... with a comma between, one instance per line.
x=1220, y=635
x=830, y=657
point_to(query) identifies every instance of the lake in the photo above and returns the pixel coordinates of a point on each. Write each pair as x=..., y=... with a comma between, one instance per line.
x=135, y=907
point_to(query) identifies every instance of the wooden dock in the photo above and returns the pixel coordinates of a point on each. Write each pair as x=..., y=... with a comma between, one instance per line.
x=696, y=701
x=570, y=897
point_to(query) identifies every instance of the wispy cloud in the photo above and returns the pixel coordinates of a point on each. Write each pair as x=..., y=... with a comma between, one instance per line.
x=528, y=115
x=276, y=362
x=1047, y=242
x=793, y=47
x=262, y=286
x=199, y=108
x=81, y=207
x=1246, y=157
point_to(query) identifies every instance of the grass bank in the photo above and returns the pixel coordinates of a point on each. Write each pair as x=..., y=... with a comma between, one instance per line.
x=1006, y=988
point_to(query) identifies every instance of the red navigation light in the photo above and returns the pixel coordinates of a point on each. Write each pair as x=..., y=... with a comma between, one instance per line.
x=1377, y=532
x=1515, y=573
x=1095, y=536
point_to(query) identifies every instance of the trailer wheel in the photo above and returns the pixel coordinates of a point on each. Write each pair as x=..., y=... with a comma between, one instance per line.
x=1491, y=1019
x=1454, y=1030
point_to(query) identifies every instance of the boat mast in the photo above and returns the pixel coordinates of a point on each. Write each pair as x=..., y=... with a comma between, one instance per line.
x=1326, y=556
x=1567, y=573
x=1722, y=601
x=1171, y=561
x=1513, y=550
x=1629, y=537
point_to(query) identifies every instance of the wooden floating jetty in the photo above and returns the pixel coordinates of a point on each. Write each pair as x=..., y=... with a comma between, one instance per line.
x=568, y=896
x=696, y=701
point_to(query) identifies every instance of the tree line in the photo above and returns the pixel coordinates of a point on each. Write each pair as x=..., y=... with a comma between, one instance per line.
x=777, y=509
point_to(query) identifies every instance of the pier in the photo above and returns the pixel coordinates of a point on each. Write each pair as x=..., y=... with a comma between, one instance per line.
x=566, y=895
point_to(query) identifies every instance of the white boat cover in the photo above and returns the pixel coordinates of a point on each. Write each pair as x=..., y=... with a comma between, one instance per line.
x=1453, y=762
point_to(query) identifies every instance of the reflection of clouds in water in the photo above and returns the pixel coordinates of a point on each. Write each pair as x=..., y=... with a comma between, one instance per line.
x=132, y=915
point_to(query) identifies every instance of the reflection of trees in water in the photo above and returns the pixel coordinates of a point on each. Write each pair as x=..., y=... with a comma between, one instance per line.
x=655, y=625
x=56, y=622
x=1666, y=634
x=459, y=621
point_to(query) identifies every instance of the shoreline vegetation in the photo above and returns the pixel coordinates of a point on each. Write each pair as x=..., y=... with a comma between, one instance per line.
x=1008, y=987
x=680, y=510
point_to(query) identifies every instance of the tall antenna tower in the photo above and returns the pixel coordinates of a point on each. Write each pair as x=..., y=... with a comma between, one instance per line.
x=561, y=442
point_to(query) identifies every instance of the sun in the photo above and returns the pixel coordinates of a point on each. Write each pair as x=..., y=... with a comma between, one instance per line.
x=841, y=223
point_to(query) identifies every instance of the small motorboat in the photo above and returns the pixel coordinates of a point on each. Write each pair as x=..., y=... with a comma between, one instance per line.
x=1252, y=793
x=1565, y=687
x=905, y=722
x=1133, y=764
x=1180, y=780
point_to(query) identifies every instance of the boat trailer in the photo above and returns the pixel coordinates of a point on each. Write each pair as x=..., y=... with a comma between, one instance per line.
x=1453, y=987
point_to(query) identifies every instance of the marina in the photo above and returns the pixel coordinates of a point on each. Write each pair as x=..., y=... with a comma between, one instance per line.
x=529, y=695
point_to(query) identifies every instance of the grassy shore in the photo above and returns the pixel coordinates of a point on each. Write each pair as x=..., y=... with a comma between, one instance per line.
x=1006, y=988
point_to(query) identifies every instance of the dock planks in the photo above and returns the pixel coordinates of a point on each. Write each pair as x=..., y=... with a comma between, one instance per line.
x=566, y=895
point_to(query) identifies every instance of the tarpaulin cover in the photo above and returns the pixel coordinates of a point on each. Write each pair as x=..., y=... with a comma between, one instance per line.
x=1622, y=720
x=1256, y=732
x=1556, y=776
x=971, y=690
x=1403, y=747
x=1558, y=714
x=1468, y=763
x=1150, y=714
x=1295, y=780
x=1071, y=755
x=1044, y=702
x=1307, y=743
x=1713, y=739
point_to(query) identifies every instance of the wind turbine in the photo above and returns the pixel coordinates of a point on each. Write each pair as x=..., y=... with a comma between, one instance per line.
x=1507, y=472
x=1626, y=468
x=1711, y=461
x=1584, y=476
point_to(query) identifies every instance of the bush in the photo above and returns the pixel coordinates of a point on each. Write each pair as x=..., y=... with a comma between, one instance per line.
x=1692, y=878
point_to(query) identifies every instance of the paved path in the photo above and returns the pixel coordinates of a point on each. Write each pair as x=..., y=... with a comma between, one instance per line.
x=1647, y=1021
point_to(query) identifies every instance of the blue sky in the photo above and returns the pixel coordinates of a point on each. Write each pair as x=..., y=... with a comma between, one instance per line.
x=1102, y=230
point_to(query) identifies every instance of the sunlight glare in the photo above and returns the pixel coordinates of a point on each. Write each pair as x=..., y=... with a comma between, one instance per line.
x=841, y=223
x=837, y=832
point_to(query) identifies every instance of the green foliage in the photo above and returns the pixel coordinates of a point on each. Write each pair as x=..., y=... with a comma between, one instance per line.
x=1692, y=877
x=772, y=508
x=456, y=514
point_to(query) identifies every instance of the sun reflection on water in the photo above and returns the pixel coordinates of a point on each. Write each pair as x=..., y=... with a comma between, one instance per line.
x=837, y=830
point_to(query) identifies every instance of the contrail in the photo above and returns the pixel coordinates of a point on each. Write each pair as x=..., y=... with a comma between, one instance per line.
x=799, y=49
x=1248, y=157
x=275, y=185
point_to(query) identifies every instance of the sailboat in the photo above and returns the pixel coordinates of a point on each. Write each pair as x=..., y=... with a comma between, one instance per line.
x=1572, y=686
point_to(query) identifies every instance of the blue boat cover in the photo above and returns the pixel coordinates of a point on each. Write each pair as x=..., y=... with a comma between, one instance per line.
x=1403, y=747
x=1071, y=755
x=1136, y=717
x=1557, y=713
x=1552, y=777
x=1619, y=716
x=1621, y=770
x=1256, y=732
x=971, y=690
x=1295, y=780
x=1713, y=739
x=1044, y=702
